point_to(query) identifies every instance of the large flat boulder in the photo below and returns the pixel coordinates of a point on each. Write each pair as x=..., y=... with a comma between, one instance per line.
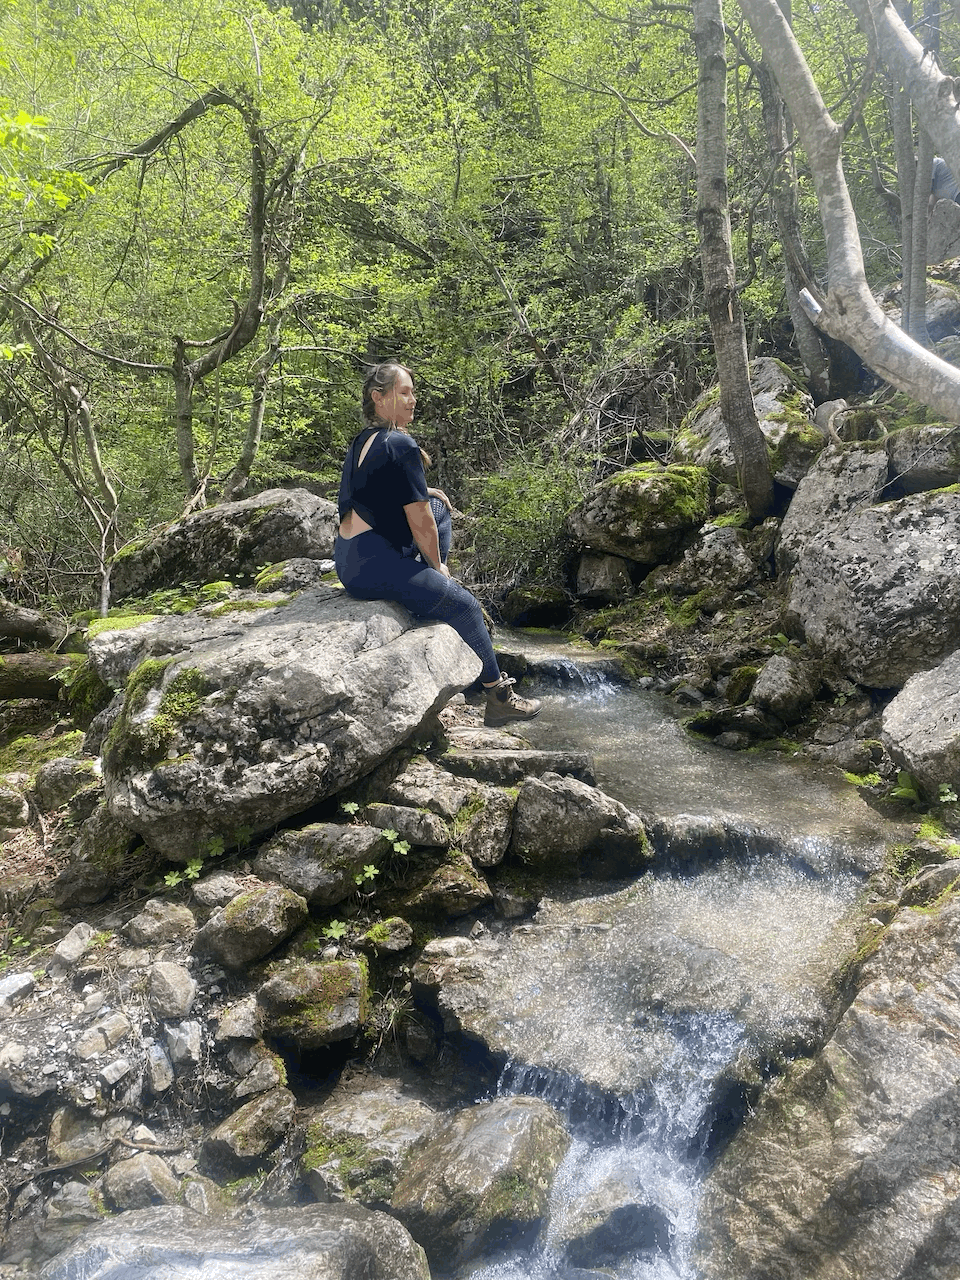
x=879, y=592
x=231, y=724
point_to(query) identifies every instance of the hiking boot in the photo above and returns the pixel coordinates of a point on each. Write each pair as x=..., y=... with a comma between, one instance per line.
x=503, y=705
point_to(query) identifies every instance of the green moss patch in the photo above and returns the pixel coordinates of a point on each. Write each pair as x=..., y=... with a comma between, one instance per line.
x=133, y=742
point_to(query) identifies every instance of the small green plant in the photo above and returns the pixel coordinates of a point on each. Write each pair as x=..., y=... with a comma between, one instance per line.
x=906, y=788
x=350, y=807
x=193, y=868
x=173, y=878
x=946, y=794
x=399, y=846
x=335, y=930
x=367, y=874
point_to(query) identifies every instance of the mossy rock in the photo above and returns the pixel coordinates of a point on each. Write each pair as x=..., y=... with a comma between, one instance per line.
x=139, y=742
x=644, y=512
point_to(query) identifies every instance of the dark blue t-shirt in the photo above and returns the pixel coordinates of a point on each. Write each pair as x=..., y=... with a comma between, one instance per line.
x=389, y=478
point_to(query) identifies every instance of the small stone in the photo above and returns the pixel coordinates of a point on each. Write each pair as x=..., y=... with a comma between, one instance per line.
x=172, y=990
x=183, y=1043
x=158, y=1073
x=240, y=1021
x=104, y=1035
x=115, y=1071
x=15, y=986
x=72, y=947
x=216, y=890
x=161, y=921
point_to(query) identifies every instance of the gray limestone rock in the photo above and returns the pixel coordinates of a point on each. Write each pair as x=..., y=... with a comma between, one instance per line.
x=507, y=766
x=230, y=541
x=312, y=1005
x=921, y=727
x=423, y=785
x=232, y=724
x=484, y=826
x=785, y=413
x=309, y=1242
x=924, y=457
x=719, y=560
x=69, y=1212
x=843, y=480
x=320, y=861
x=143, y=1180
x=160, y=921
x=14, y=809
x=103, y=1035
x=603, y=579
x=73, y=1135
x=559, y=820
x=58, y=781
x=481, y=1179
x=172, y=990
x=643, y=513
x=854, y=1157
x=158, y=1070
x=358, y=1140
x=245, y=1138
x=879, y=591
x=786, y=686
x=71, y=947
x=454, y=889
x=416, y=826
x=251, y=925
x=185, y=1045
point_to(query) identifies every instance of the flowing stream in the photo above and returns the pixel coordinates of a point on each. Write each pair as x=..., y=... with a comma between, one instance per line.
x=761, y=864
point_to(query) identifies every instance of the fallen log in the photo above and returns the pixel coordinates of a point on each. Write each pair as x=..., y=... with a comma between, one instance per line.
x=28, y=626
x=32, y=675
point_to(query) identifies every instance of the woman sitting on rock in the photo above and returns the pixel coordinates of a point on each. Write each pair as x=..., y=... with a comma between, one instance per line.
x=389, y=547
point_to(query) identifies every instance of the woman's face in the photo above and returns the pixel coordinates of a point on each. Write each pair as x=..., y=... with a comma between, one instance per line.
x=397, y=404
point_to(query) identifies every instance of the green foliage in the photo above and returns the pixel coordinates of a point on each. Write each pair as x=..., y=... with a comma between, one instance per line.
x=519, y=514
x=336, y=930
x=906, y=788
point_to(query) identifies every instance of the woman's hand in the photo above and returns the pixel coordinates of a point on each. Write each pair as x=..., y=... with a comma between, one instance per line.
x=438, y=493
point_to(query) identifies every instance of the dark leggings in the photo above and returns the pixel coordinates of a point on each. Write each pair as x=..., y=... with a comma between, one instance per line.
x=371, y=569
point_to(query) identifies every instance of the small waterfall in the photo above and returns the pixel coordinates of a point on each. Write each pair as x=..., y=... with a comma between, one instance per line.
x=761, y=861
x=627, y=1194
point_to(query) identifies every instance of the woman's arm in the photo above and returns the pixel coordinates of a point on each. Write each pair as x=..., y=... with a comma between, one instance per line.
x=424, y=530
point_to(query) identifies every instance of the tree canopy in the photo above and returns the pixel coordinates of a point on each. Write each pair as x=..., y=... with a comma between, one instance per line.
x=212, y=218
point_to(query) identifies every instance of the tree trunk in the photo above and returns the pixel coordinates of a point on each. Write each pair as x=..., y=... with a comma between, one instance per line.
x=917, y=264
x=797, y=270
x=716, y=254
x=32, y=675
x=849, y=311
x=902, y=120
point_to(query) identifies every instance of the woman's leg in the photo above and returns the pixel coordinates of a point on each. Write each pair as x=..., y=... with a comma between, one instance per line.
x=371, y=569
x=441, y=513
